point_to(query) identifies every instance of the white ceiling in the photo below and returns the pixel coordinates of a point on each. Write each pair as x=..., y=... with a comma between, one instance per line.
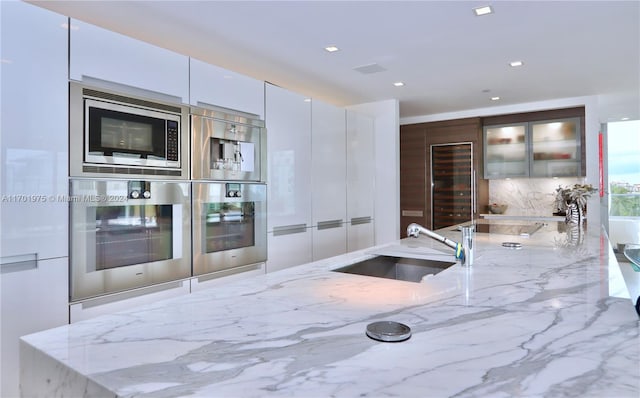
x=447, y=57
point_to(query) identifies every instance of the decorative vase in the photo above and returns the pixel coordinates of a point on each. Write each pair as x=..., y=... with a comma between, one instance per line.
x=575, y=214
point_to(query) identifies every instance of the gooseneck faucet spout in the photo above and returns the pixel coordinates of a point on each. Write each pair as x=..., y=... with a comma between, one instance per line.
x=414, y=230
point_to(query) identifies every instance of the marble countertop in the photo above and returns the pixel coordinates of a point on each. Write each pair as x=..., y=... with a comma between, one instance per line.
x=551, y=319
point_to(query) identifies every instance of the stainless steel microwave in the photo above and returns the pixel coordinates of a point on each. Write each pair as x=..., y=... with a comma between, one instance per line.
x=114, y=135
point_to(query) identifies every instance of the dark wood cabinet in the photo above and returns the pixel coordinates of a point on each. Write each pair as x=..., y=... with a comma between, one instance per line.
x=418, y=175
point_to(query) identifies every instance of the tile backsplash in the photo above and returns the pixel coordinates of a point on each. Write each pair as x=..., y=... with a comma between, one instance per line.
x=527, y=196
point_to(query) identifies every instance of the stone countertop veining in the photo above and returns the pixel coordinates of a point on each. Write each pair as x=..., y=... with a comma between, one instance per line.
x=552, y=319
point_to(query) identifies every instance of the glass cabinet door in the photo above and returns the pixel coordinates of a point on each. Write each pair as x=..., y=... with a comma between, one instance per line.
x=505, y=151
x=555, y=148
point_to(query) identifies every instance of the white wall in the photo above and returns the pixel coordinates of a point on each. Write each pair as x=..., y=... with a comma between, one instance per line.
x=592, y=129
x=386, y=116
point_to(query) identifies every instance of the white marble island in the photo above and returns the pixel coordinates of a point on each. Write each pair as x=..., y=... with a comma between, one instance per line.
x=539, y=321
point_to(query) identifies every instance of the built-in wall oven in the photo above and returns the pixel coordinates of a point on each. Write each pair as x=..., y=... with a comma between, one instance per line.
x=117, y=135
x=126, y=234
x=229, y=225
x=227, y=146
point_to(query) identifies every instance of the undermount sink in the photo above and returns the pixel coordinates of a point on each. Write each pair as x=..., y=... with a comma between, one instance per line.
x=400, y=268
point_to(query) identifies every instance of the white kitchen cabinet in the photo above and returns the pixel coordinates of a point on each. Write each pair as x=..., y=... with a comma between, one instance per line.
x=329, y=239
x=329, y=190
x=100, y=56
x=127, y=300
x=360, y=180
x=33, y=297
x=220, y=278
x=288, y=247
x=288, y=122
x=213, y=85
x=360, y=234
x=34, y=245
x=34, y=125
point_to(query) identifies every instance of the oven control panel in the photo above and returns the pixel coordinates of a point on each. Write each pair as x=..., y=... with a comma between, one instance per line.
x=233, y=190
x=139, y=190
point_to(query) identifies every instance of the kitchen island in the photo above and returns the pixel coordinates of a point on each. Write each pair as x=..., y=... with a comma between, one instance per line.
x=551, y=319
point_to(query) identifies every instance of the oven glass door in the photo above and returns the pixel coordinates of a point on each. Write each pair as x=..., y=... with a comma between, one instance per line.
x=121, y=134
x=133, y=234
x=229, y=226
x=119, y=243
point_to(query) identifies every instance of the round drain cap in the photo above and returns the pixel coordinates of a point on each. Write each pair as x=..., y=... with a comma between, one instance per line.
x=512, y=245
x=388, y=331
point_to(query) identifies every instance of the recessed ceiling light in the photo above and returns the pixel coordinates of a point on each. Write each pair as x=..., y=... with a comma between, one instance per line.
x=516, y=63
x=307, y=100
x=483, y=10
x=495, y=98
x=625, y=118
x=398, y=84
x=331, y=49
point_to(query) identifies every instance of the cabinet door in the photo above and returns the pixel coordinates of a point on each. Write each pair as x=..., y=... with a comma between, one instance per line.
x=97, y=53
x=329, y=240
x=33, y=297
x=34, y=124
x=360, y=234
x=288, y=122
x=212, y=85
x=111, y=304
x=329, y=163
x=288, y=248
x=506, y=151
x=360, y=179
x=555, y=148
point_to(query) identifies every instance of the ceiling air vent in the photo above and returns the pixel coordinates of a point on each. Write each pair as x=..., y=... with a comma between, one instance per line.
x=369, y=69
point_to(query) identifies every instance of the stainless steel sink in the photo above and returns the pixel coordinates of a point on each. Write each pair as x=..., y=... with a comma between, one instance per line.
x=400, y=268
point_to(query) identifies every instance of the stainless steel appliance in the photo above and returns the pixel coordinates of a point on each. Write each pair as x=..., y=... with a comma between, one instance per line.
x=227, y=146
x=126, y=234
x=229, y=225
x=114, y=134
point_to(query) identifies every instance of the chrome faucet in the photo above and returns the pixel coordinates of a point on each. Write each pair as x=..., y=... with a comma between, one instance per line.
x=464, y=251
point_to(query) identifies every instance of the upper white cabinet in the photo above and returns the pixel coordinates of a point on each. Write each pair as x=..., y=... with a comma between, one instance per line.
x=360, y=180
x=329, y=167
x=212, y=85
x=288, y=122
x=34, y=125
x=97, y=53
x=329, y=162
